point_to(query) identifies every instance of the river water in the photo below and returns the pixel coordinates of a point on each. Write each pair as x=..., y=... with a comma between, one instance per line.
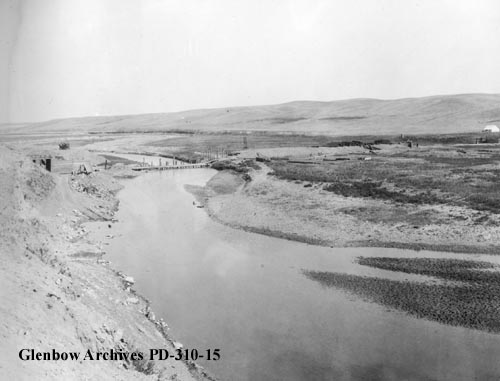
x=245, y=294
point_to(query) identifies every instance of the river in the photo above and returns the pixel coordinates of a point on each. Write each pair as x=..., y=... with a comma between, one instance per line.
x=244, y=293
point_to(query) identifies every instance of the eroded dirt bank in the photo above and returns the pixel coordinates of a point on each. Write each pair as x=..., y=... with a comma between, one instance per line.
x=57, y=290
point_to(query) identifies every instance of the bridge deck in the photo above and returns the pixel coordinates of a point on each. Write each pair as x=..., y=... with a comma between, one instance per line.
x=168, y=167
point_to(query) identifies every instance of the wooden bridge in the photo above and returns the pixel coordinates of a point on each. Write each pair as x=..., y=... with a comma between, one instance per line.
x=169, y=167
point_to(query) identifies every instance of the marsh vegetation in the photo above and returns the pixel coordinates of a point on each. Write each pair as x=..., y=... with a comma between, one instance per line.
x=472, y=300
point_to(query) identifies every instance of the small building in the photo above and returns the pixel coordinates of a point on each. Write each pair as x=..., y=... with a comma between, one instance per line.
x=43, y=159
x=491, y=128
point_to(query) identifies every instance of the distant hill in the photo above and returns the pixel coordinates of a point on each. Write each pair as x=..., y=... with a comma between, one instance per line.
x=435, y=114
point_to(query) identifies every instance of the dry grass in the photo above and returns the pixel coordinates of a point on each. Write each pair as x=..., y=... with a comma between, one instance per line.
x=446, y=114
x=435, y=176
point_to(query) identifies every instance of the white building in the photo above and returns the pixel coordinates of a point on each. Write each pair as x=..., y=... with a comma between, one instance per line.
x=491, y=128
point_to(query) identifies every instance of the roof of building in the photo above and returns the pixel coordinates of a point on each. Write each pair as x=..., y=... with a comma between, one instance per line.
x=40, y=155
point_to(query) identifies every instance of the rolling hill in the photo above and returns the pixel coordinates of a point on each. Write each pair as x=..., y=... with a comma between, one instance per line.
x=434, y=114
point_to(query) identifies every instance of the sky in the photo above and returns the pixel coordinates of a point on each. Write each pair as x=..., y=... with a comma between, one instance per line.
x=66, y=58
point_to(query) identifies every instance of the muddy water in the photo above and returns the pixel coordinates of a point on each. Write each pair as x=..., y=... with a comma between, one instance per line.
x=244, y=293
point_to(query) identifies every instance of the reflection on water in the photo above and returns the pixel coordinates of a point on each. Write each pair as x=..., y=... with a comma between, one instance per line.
x=244, y=293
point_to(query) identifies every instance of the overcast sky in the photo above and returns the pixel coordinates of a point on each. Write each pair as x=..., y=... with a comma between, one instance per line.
x=62, y=58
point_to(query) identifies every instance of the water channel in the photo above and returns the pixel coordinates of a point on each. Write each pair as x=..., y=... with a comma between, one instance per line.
x=244, y=293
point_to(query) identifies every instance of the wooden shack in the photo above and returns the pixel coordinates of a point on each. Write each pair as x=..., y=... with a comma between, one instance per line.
x=43, y=159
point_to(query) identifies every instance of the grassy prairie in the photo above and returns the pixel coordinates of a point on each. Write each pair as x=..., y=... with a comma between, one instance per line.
x=235, y=142
x=432, y=175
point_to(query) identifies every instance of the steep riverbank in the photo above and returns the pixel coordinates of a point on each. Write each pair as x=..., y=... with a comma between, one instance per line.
x=59, y=293
x=304, y=211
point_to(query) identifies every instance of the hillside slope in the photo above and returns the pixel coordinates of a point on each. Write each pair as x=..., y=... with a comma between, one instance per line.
x=435, y=114
x=56, y=292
